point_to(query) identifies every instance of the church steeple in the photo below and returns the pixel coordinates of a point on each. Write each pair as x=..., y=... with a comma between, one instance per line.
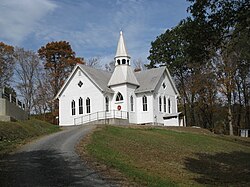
x=121, y=56
x=123, y=73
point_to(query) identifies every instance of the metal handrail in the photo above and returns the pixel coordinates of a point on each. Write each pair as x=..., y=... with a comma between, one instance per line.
x=118, y=114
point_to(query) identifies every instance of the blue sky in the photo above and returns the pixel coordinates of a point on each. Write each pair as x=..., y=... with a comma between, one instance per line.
x=90, y=26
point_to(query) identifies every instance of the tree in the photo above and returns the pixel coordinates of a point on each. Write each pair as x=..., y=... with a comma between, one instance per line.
x=6, y=63
x=94, y=62
x=230, y=23
x=59, y=60
x=138, y=65
x=26, y=74
x=110, y=66
x=186, y=54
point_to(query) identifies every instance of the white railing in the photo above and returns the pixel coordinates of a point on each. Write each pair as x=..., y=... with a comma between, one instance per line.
x=101, y=115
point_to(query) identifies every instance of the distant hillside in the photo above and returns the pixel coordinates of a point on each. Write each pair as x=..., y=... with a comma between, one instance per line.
x=13, y=134
x=169, y=156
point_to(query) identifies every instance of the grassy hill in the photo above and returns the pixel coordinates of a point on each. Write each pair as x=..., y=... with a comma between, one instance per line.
x=172, y=157
x=13, y=134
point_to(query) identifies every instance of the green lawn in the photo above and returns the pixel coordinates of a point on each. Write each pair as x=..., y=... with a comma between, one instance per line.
x=13, y=134
x=161, y=157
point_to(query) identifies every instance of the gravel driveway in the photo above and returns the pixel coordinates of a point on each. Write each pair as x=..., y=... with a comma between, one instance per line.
x=50, y=161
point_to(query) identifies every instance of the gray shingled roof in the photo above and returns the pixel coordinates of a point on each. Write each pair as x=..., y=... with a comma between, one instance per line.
x=149, y=79
x=100, y=77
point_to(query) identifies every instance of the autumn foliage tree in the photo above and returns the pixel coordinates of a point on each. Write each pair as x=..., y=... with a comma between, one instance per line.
x=59, y=60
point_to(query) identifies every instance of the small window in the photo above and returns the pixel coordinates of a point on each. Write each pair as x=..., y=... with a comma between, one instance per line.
x=144, y=103
x=118, y=62
x=164, y=85
x=119, y=97
x=128, y=62
x=88, y=105
x=123, y=61
x=165, y=104
x=169, y=105
x=80, y=84
x=160, y=103
x=80, y=106
x=79, y=73
x=73, y=108
x=107, y=103
x=131, y=103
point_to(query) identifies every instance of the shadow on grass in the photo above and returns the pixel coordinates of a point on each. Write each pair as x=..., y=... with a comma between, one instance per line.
x=221, y=168
x=45, y=168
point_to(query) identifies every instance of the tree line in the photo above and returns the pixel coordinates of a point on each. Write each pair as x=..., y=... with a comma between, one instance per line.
x=208, y=55
x=37, y=77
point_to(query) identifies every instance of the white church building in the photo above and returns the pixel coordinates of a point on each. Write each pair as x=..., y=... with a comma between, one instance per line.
x=144, y=97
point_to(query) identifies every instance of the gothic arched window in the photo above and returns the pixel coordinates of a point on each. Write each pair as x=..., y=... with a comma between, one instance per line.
x=144, y=103
x=165, y=104
x=107, y=103
x=131, y=103
x=80, y=106
x=119, y=97
x=88, y=105
x=73, y=107
x=160, y=103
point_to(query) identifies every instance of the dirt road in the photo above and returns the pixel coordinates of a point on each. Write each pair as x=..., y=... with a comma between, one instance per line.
x=50, y=161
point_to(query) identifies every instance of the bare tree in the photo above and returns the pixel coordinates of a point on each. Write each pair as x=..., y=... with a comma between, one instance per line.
x=94, y=62
x=138, y=65
x=44, y=95
x=6, y=63
x=26, y=72
x=110, y=66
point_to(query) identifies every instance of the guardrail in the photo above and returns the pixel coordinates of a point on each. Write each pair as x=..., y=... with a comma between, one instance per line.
x=11, y=99
x=100, y=116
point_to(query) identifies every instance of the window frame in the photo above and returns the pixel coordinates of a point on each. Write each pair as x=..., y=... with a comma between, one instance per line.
x=144, y=103
x=73, y=107
x=131, y=103
x=119, y=97
x=164, y=104
x=160, y=104
x=106, y=103
x=88, y=105
x=80, y=102
x=169, y=106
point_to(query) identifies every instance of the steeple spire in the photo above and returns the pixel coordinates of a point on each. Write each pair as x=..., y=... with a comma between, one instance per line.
x=121, y=56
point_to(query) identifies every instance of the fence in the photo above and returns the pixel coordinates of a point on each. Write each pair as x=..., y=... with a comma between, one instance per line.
x=11, y=99
x=101, y=115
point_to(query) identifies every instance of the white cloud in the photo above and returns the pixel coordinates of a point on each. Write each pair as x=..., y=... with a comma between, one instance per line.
x=18, y=18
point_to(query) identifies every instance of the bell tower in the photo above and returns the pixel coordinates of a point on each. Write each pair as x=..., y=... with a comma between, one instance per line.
x=121, y=57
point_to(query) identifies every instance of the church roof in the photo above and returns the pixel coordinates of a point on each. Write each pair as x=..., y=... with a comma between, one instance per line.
x=149, y=79
x=99, y=77
x=123, y=74
x=121, y=47
x=146, y=80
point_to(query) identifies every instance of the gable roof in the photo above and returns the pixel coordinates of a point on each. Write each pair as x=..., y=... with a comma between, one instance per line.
x=99, y=77
x=149, y=79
